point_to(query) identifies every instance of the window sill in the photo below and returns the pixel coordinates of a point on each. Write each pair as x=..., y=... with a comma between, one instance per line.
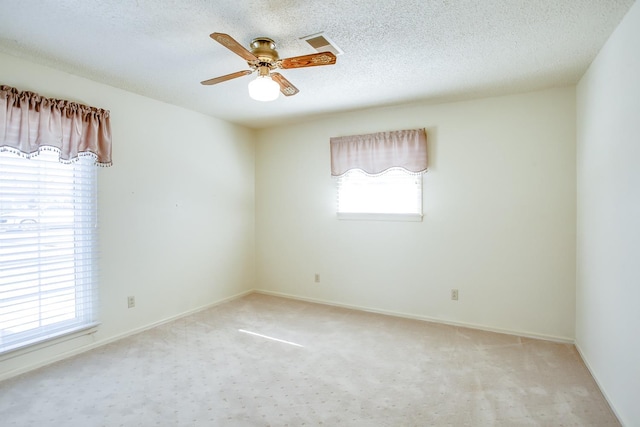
x=379, y=217
x=28, y=347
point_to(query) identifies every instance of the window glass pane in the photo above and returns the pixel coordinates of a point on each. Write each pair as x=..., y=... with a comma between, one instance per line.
x=394, y=192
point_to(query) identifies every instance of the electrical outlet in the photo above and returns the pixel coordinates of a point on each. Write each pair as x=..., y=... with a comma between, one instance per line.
x=317, y=278
x=131, y=302
x=454, y=294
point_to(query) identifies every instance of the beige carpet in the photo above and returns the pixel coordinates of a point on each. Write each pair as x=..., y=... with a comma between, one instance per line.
x=310, y=365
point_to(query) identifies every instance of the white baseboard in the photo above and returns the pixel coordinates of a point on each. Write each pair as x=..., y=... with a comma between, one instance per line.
x=598, y=383
x=563, y=340
x=96, y=344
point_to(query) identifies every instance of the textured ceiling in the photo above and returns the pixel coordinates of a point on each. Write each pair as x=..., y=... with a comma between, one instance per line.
x=394, y=51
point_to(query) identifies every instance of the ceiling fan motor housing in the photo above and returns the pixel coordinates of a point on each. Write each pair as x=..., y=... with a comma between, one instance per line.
x=264, y=49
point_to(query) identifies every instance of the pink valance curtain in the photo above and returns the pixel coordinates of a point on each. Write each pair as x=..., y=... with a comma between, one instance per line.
x=30, y=123
x=378, y=152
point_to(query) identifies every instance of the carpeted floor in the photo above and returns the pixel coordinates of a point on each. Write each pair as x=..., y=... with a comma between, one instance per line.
x=266, y=361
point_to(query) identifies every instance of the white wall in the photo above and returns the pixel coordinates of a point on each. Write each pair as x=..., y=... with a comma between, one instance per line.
x=176, y=210
x=608, y=226
x=499, y=225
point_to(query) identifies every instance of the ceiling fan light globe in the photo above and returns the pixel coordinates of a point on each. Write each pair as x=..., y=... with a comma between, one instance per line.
x=264, y=88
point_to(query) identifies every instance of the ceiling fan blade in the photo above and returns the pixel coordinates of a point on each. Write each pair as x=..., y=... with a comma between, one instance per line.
x=226, y=77
x=315, y=59
x=286, y=87
x=229, y=42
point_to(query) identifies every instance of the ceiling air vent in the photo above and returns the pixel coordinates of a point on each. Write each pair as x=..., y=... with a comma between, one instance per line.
x=322, y=43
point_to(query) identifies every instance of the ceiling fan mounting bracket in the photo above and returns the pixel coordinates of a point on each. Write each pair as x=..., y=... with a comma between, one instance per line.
x=257, y=65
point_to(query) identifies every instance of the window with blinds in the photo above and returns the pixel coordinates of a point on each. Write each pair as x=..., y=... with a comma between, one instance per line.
x=48, y=269
x=395, y=194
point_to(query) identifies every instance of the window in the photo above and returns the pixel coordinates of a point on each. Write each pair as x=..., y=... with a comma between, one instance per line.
x=379, y=175
x=48, y=268
x=48, y=152
x=395, y=194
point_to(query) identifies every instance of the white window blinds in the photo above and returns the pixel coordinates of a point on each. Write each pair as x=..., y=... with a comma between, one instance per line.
x=48, y=251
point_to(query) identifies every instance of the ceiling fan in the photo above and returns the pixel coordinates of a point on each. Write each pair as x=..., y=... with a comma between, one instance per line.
x=264, y=59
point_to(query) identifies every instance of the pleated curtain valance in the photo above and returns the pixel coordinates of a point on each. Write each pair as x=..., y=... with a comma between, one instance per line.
x=30, y=122
x=378, y=152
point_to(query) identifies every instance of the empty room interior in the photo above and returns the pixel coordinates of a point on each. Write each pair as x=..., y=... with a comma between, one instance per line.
x=230, y=282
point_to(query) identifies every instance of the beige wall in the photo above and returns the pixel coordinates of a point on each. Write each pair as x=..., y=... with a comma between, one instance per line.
x=176, y=210
x=499, y=225
x=608, y=261
x=177, y=228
